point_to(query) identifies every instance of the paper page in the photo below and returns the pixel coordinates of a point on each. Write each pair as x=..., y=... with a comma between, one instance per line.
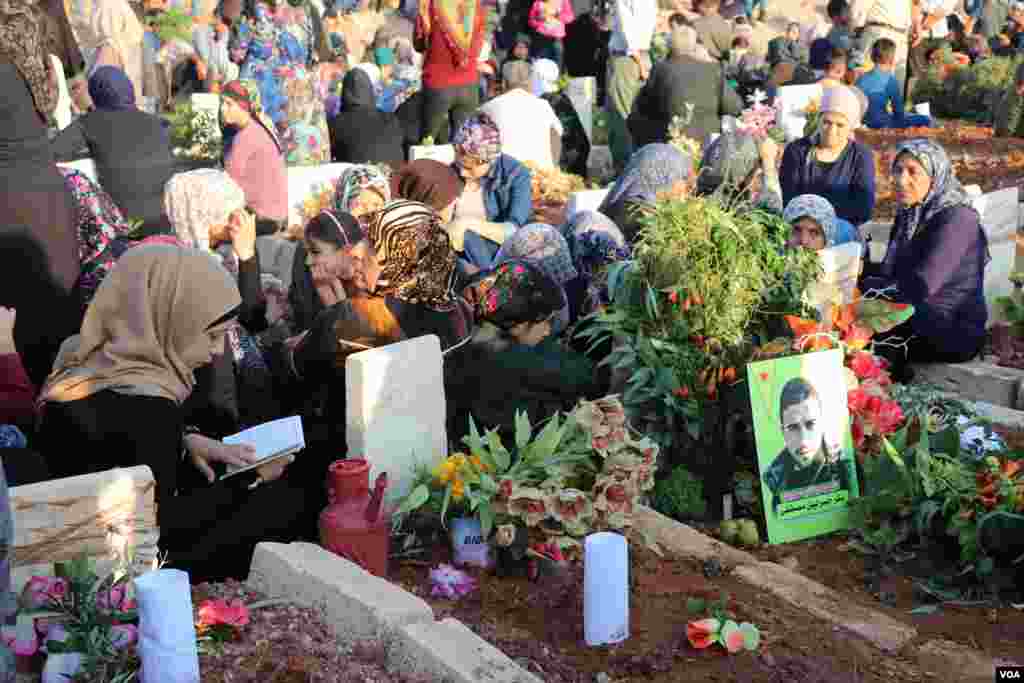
x=271, y=439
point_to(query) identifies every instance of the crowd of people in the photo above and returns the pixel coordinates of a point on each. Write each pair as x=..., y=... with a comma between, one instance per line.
x=160, y=308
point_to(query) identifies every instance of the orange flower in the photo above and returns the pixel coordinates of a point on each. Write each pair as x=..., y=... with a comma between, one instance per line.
x=458, y=490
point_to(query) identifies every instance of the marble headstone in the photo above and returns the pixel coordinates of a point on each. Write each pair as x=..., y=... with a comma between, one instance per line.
x=396, y=409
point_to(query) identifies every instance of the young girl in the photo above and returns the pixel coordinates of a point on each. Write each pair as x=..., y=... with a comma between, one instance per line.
x=548, y=19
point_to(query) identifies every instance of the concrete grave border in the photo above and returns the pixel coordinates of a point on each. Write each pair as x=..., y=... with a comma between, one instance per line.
x=358, y=605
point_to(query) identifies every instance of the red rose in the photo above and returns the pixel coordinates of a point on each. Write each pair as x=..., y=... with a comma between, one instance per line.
x=536, y=506
x=856, y=400
x=864, y=366
x=616, y=493
x=505, y=489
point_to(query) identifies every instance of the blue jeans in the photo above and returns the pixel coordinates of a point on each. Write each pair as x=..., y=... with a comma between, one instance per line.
x=478, y=251
x=749, y=5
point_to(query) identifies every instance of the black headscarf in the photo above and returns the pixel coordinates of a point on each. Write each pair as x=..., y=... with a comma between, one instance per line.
x=357, y=92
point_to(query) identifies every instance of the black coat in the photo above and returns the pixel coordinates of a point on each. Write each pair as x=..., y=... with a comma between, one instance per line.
x=361, y=134
x=132, y=152
x=673, y=84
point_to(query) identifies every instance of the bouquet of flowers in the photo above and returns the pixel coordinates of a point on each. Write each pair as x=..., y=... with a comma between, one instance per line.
x=760, y=120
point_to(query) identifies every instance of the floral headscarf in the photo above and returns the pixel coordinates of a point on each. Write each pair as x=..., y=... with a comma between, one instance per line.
x=545, y=246
x=945, y=192
x=198, y=200
x=479, y=137
x=247, y=94
x=508, y=282
x=653, y=169
x=415, y=255
x=356, y=179
x=818, y=209
x=595, y=242
x=22, y=43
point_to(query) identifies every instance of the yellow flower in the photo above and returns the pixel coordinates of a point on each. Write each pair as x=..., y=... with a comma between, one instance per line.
x=459, y=460
x=444, y=472
x=478, y=463
x=458, y=490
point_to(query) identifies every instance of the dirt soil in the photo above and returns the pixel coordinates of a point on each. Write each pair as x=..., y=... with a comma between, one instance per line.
x=287, y=644
x=978, y=158
x=830, y=561
x=540, y=626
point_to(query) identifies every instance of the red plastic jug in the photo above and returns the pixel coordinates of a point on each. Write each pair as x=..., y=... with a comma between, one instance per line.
x=355, y=524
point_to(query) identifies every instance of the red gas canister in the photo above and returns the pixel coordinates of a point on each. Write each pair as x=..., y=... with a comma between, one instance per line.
x=355, y=524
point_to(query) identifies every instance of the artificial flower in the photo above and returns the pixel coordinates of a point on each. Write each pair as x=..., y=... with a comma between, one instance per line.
x=123, y=635
x=223, y=613
x=44, y=591
x=450, y=583
x=530, y=504
x=703, y=633
x=21, y=638
x=572, y=508
x=864, y=365
x=114, y=598
x=505, y=535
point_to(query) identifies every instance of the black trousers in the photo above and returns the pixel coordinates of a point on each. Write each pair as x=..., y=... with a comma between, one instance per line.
x=917, y=350
x=448, y=107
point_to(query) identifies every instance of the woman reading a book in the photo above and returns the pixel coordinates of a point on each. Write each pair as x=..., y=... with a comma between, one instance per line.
x=115, y=400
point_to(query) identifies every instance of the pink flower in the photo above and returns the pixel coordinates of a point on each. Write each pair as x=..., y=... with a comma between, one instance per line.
x=111, y=599
x=44, y=591
x=864, y=366
x=888, y=417
x=703, y=633
x=450, y=583
x=123, y=635
x=221, y=612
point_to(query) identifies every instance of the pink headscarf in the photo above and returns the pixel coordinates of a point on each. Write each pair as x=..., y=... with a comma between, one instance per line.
x=842, y=100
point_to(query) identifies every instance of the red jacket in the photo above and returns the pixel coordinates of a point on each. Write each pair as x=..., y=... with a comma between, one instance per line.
x=441, y=68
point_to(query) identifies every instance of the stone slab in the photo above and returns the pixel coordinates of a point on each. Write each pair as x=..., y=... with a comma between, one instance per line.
x=1000, y=212
x=356, y=604
x=449, y=651
x=582, y=93
x=587, y=200
x=952, y=661
x=974, y=381
x=1000, y=415
x=680, y=539
x=396, y=409
x=822, y=602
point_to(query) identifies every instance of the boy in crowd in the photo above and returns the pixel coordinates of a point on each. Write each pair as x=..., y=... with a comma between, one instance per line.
x=787, y=47
x=885, y=101
x=841, y=35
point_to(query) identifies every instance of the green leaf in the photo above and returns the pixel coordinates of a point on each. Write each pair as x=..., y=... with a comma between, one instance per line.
x=696, y=605
x=486, y=514
x=881, y=315
x=416, y=499
x=523, y=430
x=444, y=505
x=502, y=458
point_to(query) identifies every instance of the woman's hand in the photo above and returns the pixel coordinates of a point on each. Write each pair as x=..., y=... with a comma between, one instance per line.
x=769, y=151
x=203, y=451
x=328, y=285
x=242, y=232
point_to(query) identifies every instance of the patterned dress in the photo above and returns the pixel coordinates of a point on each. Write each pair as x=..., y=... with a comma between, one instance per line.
x=276, y=51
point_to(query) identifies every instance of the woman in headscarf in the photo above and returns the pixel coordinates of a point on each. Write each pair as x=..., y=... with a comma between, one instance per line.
x=450, y=34
x=575, y=143
x=109, y=34
x=935, y=262
x=815, y=224
x=683, y=85
x=38, y=217
x=362, y=191
x=512, y=363
x=406, y=270
x=545, y=246
x=831, y=163
x=353, y=20
x=741, y=169
x=653, y=169
x=595, y=243
x=431, y=182
x=274, y=46
x=497, y=197
x=362, y=134
x=331, y=73
x=254, y=155
x=131, y=149
x=116, y=399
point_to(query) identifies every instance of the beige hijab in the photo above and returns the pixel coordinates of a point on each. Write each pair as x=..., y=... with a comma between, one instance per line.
x=147, y=328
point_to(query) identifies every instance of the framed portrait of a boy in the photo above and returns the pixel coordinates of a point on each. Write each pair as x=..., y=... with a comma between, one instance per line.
x=804, y=449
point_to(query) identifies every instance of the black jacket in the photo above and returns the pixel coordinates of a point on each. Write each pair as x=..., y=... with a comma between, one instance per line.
x=132, y=152
x=361, y=134
x=673, y=84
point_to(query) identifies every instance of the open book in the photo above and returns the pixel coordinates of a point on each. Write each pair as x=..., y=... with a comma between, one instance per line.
x=272, y=440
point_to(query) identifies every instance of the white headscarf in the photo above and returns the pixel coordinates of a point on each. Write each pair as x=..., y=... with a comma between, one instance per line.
x=199, y=200
x=544, y=77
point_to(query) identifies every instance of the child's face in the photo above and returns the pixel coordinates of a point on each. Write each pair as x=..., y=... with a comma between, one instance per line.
x=521, y=51
x=793, y=33
x=802, y=430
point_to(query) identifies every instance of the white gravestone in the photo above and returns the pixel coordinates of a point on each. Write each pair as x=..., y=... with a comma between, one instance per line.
x=587, y=200
x=793, y=101
x=840, y=269
x=582, y=92
x=396, y=409
x=443, y=153
x=1000, y=218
